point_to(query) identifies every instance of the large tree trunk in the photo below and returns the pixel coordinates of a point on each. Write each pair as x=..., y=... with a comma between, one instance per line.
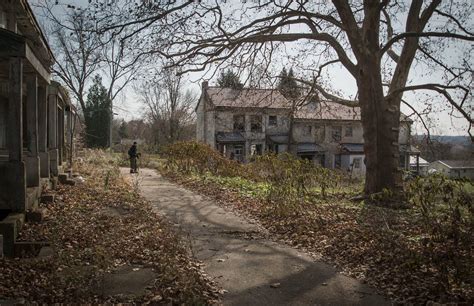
x=381, y=122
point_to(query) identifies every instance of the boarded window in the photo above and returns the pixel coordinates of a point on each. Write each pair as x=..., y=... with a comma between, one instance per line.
x=256, y=123
x=3, y=123
x=336, y=133
x=272, y=120
x=239, y=123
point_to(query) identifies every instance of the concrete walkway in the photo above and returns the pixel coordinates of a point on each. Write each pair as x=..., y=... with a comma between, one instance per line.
x=252, y=269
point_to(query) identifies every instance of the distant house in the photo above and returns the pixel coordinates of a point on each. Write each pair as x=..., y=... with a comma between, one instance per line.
x=453, y=168
x=418, y=165
x=246, y=122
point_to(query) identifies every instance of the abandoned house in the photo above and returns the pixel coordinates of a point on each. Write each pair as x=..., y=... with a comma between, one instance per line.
x=247, y=122
x=36, y=117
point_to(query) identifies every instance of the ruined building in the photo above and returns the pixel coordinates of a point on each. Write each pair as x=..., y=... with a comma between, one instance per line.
x=246, y=122
x=36, y=117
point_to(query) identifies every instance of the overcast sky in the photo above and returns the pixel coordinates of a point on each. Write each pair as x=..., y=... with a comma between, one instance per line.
x=129, y=108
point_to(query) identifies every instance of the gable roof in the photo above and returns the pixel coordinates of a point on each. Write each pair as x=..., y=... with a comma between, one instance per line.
x=458, y=164
x=272, y=98
x=247, y=98
x=329, y=110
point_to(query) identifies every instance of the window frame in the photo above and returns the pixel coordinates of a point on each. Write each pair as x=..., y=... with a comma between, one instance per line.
x=272, y=120
x=347, y=129
x=357, y=161
x=334, y=130
x=241, y=126
x=259, y=122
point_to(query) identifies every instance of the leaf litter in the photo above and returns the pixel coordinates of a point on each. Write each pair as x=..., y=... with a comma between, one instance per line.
x=93, y=231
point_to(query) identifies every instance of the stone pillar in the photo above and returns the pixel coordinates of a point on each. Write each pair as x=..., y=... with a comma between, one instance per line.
x=69, y=137
x=43, y=132
x=15, y=107
x=52, y=130
x=61, y=134
x=32, y=158
x=15, y=185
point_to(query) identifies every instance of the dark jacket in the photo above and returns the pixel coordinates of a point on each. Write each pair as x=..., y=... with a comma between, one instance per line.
x=132, y=152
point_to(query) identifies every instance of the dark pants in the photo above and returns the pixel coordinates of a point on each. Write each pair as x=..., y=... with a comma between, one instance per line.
x=133, y=164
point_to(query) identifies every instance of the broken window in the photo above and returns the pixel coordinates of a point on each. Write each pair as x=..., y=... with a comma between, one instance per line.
x=272, y=120
x=336, y=133
x=256, y=123
x=239, y=123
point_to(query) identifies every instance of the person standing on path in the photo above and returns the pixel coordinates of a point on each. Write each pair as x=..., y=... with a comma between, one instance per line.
x=132, y=153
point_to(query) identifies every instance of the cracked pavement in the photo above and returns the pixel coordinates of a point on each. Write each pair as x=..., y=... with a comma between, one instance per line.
x=240, y=257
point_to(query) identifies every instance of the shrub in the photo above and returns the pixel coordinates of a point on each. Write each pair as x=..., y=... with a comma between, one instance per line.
x=447, y=213
x=291, y=181
x=197, y=157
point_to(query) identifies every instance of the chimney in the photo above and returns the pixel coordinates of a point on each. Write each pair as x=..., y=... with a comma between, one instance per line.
x=205, y=85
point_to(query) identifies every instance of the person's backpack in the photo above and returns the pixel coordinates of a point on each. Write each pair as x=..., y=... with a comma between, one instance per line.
x=130, y=152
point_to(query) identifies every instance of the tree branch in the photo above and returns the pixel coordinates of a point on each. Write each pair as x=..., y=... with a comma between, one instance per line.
x=401, y=36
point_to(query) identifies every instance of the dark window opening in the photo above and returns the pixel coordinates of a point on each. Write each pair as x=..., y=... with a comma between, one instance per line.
x=336, y=133
x=272, y=120
x=256, y=149
x=256, y=123
x=239, y=123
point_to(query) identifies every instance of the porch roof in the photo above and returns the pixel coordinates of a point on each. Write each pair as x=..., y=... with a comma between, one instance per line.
x=279, y=139
x=15, y=45
x=409, y=149
x=353, y=147
x=308, y=148
x=229, y=137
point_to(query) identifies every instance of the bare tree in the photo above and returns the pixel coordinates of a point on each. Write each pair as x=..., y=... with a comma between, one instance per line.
x=170, y=107
x=377, y=42
x=76, y=51
x=81, y=51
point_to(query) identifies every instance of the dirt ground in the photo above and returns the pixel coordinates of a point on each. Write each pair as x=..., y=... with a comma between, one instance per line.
x=242, y=258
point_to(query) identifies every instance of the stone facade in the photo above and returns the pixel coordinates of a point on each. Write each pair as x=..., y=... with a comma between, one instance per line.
x=37, y=117
x=242, y=123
